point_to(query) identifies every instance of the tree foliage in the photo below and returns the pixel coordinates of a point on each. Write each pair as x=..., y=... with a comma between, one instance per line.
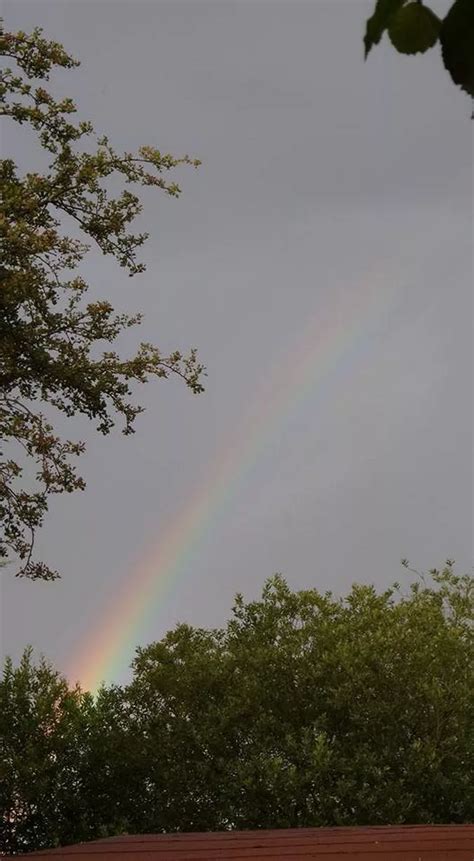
x=413, y=28
x=52, y=356
x=304, y=710
x=40, y=729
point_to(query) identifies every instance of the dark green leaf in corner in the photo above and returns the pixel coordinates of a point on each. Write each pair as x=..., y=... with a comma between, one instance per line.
x=378, y=23
x=414, y=29
x=457, y=44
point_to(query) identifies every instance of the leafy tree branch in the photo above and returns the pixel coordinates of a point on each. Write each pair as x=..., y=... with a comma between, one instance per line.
x=50, y=336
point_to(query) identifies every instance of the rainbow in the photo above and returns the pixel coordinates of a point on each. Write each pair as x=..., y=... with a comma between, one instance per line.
x=327, y=349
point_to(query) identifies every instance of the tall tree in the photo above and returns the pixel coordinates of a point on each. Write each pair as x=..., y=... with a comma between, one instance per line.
x=304, y=710
x=67, y=760
x=413, y=28
x=312, y=710
x=41, y=732
x=52, y=341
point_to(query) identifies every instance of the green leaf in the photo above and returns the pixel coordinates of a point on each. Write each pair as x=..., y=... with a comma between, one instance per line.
x=457, y=44
x=414, y=29
x=378, y=23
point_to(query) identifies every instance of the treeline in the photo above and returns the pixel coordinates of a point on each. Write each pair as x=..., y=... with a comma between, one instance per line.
x=304, y=710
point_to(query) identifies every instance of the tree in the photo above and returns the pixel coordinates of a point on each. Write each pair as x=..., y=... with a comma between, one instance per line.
x=52, y=357
x=309, y=710
x=414, y=28
x=41, y=731
x=304, y=710
x=66, y=760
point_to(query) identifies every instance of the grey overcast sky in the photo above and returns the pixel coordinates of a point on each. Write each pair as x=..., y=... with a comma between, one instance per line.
x=322, y=177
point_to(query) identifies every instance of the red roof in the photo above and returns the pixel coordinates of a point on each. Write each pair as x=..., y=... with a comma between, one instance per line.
x=390, y=843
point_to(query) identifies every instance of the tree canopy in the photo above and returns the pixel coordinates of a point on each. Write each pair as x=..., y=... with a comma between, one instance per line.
x=304, y=710
x=53, y=356
x=413, y=28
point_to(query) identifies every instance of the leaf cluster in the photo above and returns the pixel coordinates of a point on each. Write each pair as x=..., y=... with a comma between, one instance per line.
x=52, y=340
x=414, y=28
